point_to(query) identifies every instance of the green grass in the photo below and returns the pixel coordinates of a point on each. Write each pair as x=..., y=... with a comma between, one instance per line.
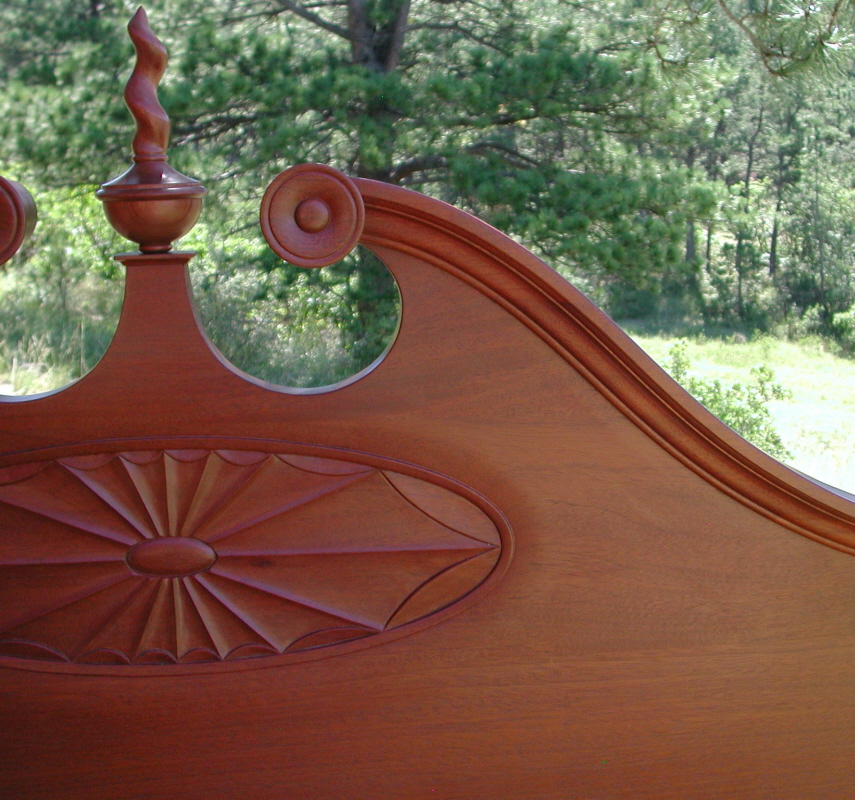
x=817, y=425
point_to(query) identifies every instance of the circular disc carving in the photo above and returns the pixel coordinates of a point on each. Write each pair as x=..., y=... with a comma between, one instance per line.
x=17, y=217
x=216, y=558
x=312, y=215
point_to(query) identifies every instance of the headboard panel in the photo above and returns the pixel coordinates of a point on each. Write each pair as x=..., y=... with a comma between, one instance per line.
x=510, y=559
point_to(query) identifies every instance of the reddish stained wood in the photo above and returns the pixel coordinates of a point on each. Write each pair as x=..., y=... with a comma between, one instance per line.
x=671, y=613
x=17, y=217
x=151, y=204
x=247, y=555
x=312, y=215
x=659, y=613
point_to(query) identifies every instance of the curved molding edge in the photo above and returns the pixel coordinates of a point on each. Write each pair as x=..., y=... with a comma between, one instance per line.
x=595, y=346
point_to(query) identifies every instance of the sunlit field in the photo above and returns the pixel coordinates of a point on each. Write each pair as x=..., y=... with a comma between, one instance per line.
x=817, y=424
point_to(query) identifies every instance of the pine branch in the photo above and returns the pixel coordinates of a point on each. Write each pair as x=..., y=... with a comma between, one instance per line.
x=315, y=19
x=456, y=28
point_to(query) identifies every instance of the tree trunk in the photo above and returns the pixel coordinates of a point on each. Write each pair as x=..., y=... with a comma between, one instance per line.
x=773, y=244
x=377, y=46
x=691, y=243
x=742, y=237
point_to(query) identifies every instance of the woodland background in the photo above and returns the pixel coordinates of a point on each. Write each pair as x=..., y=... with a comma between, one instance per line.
x=688, y=164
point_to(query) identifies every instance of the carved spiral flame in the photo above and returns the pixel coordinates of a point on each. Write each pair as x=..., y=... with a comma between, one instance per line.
x=152, y=121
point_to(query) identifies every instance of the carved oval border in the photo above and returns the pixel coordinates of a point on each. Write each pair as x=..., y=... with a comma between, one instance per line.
x=274, y=447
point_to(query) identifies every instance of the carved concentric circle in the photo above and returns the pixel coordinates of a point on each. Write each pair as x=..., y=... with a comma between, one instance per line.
x=169, y=557
x=312, y=215
x=17, y=217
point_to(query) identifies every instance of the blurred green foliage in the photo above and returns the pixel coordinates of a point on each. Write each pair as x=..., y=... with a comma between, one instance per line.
x=674, y=160
x=743, y=407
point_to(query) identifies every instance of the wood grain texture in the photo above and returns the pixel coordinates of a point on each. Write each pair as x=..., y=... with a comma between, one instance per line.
x=677, y=620
x=189, y=556
x=152, y=136
x=312, y=215
x=600, y=351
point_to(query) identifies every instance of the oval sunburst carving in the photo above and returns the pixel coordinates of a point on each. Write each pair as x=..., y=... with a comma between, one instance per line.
x=186, y=556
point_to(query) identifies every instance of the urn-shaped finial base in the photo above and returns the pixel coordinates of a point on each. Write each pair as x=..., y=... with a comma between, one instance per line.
x=151, y=204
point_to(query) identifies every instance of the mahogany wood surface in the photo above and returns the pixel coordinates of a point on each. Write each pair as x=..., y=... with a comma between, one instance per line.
x=151, y=204
x=17, y=217
x=512, y=559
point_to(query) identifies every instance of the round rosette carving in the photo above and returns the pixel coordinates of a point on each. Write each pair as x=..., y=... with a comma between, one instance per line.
x=312, y=215
x=17, y=217
x=226, y=558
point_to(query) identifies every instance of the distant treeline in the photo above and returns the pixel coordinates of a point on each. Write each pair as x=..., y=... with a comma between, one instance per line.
x=688, y=160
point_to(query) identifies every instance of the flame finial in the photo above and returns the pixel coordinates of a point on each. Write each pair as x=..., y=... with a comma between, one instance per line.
x=141, y=90
x=151, y=204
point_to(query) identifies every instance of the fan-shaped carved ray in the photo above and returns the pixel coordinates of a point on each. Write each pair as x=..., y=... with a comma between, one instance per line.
x=123, y=631
x=242, y=458
x=89, y=461
x=445, y=507
x=329, y=636
x=227, y=631
x=185, y=456
x=451, y=582
x=21, y=472
x=159, y=631
x=279, y=621
x=183, y=473
x=219, y=481
x=30, y=538
x=32, y=590
x=56, y=493
x=273, y=489
x=70, y=627
x=368, y=515
x=149, y=480
x=110, y=625
x=364, y=587
x=190, y=630
x=323, y=466
x=39, y=652
x=141, y=457
x=114, y=485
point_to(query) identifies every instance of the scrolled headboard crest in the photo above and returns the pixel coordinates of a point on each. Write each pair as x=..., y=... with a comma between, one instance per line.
x=509, y=558
x=165, y=430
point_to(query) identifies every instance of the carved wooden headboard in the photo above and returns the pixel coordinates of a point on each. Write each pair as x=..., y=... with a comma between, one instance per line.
x=512, y=559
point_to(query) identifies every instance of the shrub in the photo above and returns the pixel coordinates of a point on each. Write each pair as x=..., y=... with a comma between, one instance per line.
x=843, y=329
x=742, y=407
